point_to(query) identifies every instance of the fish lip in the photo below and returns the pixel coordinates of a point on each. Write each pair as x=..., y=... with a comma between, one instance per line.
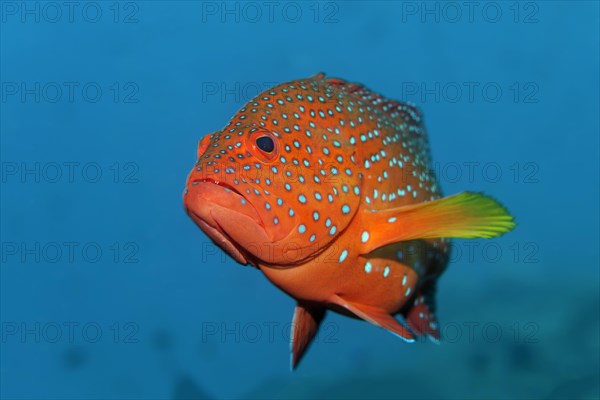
x=234, y=190
x=217, y=234
x=220, y=183
x=210, y=225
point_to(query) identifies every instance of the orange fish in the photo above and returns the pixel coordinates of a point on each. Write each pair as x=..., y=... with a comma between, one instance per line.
x=327, y=188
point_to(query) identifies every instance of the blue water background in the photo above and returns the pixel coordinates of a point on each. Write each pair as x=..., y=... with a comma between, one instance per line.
x=158, y=314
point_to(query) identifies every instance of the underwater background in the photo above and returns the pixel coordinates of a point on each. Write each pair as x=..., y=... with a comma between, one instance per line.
x=109, y=290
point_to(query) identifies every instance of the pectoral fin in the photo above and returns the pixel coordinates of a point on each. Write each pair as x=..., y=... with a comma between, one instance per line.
x=375, y=316
x=465, y=215
x=304, y=327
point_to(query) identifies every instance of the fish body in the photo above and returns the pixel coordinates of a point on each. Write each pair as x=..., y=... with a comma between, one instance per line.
x=327, y=188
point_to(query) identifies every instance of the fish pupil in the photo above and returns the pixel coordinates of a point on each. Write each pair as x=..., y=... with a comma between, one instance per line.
x=265, y=143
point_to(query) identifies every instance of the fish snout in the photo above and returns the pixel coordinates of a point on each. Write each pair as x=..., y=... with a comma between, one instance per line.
x=223, y=214
x=202, y=197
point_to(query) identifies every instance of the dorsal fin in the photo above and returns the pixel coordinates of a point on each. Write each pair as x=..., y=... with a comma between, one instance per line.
x=395, y=109
x=402, y=115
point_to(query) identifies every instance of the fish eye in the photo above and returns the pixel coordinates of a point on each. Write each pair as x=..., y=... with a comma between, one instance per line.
x=265, y=143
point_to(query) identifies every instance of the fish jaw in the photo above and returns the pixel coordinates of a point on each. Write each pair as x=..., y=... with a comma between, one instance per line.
x=224, y=215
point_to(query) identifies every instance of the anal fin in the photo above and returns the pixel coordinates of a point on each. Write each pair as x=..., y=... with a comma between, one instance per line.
x=422, y=320
x=375, y=316
x=304, y=327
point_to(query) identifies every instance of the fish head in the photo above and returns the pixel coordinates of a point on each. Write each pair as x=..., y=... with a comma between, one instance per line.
x=279, y=183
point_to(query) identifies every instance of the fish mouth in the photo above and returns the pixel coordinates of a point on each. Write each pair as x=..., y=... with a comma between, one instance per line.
x=219, y=237
x=219, y=183
x=216, y=207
